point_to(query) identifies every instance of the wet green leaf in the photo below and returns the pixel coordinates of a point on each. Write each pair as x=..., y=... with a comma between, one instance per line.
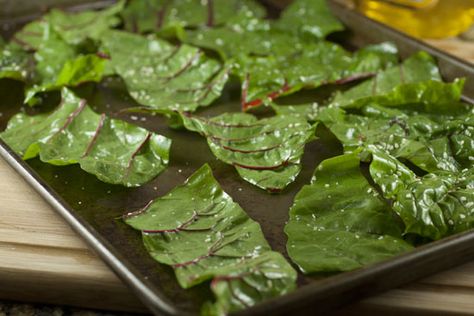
x=339, y=222
x=51, y=51
x=199, y=231
x=76, y=27
x=250, y=282
x=423, y=123
x=420, y=67
x=114, y=151
x=433, y=206
x=271, y=63
x=174, y=16
x=309, y=111
x=266, y=78
x=15, y=63
x=84, y=68
x=164, y=76
x=265, y=152
x=309, y=18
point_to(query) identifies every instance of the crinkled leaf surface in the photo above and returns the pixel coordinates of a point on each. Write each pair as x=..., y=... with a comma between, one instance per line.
x=265, y=152
x=433, y=136
x=55, y=39
x=76, y=27
x=113, y=150
x=249, y=282
x=271, y=63
x=84, y=68
x=266, y=78
x=433, y=206
x=309, y=111
x=165, y=16
x=309, y=18
x=199, y=231
x=164, y=76
x=15, y=63
x=339, y=222
x=420, y=67
x=51, y=51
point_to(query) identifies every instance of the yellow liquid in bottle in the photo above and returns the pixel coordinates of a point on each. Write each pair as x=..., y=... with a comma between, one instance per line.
x=422, y=18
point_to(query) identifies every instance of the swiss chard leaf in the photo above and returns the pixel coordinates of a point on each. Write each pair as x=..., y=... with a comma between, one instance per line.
x=74, y=28
x=163, y=76
x=174, y=16
x=55, y=39
x=309, y=19
x=51, y=51
x=199, y=231
x=433, y=206
x=265, y=152
x=420, y=67
x=339, y=222
x=15, y=63
x=250, y=282
x=272, y=63
x=84, y=68
x=114, y=151
x=266, y=78
x=423, y=123
x=309, y=111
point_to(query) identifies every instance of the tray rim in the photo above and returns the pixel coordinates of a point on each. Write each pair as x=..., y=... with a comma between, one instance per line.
x=307, y=294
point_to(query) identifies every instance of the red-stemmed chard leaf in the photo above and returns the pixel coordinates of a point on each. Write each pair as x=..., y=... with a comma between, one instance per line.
x=163, y=76
x=265, y=152
x=204, y=235
x=113, y=150
x=174, y=16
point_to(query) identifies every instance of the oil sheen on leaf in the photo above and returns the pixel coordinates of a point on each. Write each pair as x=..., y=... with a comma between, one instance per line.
x=432, y=206
x=15, y=63
x=165, y=76
x=309, y=19
x=265, y=152
x=339, y=222
x=173, y=17
x=113, y=150
x=199, y=231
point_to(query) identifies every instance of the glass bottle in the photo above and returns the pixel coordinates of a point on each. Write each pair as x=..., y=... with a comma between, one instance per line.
x=422, y=18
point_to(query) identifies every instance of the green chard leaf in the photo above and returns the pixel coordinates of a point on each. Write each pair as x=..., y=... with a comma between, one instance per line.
x=433, y=206
x=163, y=76
x=427, y=126
x=114, y=151
x=199, y=231
x=74, y=28
x=339, y=222
x=58, y=63
x=309, y=111
x=271, y=63
x=382, y=88
x=309, y=19
x=51, y=51
x=267, y=78
x=172, y=17
x=15, y=63
x=265, y=152
x=83, y=68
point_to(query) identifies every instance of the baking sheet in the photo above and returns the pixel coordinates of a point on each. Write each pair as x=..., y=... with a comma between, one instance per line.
x=93, y=208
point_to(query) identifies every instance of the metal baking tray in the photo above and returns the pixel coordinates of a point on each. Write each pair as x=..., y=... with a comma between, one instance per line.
x=93, y=208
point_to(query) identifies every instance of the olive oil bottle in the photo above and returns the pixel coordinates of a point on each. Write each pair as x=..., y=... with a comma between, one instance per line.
x=422, y=18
